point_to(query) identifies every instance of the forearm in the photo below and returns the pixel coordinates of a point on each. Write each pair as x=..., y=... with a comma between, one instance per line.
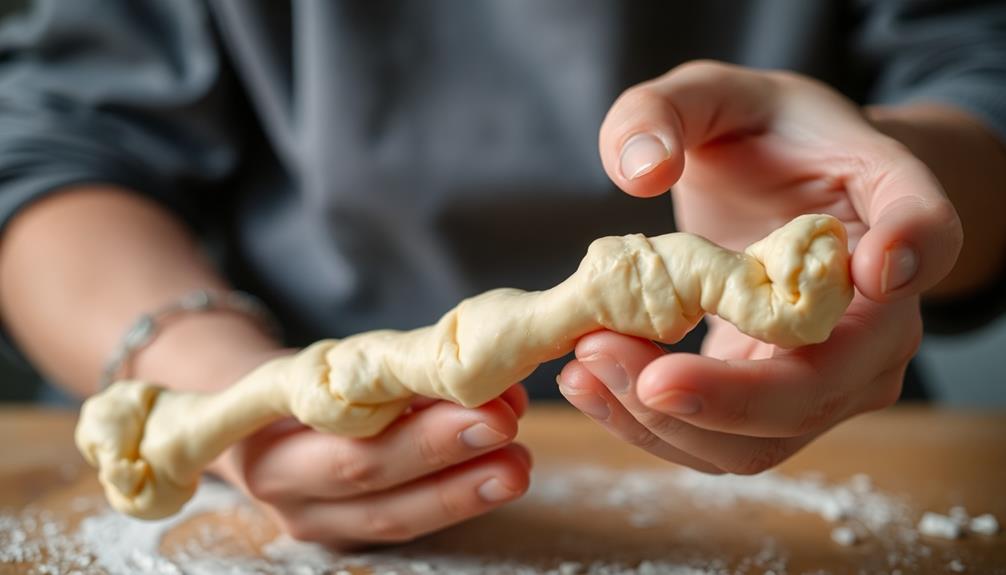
x=970, y=163
x=78, y=268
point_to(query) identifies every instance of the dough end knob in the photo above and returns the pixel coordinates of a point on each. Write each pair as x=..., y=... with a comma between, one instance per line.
x=807, y=263
x=108, y=435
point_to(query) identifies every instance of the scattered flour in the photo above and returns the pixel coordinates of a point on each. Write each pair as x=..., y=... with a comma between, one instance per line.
x=137, y=542
x=941, y=526
x=844, y=536
x=957, y=523
x=107, y=542
x=636, y=492
x=960, y=516
x=984, y=525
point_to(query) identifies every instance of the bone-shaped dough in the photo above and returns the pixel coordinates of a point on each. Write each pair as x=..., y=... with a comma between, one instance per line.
x=151, y=444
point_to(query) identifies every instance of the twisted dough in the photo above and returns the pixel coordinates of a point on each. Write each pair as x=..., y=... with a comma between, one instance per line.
x=151, y=444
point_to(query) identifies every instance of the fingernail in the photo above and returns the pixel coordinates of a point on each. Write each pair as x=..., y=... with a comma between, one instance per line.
x=481, y=436
x=676, y=403
x=493, y=491
x=640, y=154
x=589, y=403
x=900, y=265
x=608, y=371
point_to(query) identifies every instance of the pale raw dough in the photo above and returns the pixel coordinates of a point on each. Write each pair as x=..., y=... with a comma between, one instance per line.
x=789, y=289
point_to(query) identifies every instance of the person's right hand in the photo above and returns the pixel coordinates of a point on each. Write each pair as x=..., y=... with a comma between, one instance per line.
x=438, y=465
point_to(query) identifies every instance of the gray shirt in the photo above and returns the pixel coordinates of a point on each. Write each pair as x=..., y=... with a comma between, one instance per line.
x=364, y=165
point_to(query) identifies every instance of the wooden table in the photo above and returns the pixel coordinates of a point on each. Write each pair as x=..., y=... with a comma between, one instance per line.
x=929, y=459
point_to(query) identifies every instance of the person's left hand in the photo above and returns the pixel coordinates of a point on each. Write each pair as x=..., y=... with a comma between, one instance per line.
x=747, y=151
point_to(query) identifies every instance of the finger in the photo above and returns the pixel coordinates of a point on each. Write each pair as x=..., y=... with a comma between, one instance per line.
x=312, y=464
x=645, y=134
x=589, y=395
x=793, y=393
x=422, y=402
x=516, y=397
x=914, y=233
x=618, y=361
x=775, y=397
x=409, y=511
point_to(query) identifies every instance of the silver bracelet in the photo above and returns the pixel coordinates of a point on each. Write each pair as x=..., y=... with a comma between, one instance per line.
x=143, y=332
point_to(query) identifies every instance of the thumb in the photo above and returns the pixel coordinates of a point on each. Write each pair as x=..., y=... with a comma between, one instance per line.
x=646, y=132
x=914, y=233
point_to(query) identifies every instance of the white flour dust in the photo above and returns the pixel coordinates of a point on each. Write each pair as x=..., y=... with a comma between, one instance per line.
x=637, y=491
x=107, y=542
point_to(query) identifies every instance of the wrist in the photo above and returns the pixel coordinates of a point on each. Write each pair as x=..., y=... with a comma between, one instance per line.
x=205, y=351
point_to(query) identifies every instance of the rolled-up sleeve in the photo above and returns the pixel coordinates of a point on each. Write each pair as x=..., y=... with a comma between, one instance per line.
x=125, y=92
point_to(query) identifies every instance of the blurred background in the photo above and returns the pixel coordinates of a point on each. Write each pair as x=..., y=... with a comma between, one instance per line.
x=968, y=369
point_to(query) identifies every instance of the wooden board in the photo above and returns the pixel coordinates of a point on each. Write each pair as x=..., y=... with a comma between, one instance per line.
x=591, y=490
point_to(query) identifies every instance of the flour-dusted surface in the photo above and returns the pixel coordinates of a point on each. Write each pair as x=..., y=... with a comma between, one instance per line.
x=219, y=532
x=596, y=506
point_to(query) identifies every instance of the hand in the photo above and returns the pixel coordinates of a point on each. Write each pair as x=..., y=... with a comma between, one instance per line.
x=747, y=151
x=438, y=465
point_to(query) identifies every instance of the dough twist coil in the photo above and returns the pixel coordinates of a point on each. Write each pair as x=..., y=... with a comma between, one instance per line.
x=789, y=289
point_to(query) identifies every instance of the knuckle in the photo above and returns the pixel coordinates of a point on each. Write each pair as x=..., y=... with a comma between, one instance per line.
x=453, y=507
x=737, y=413
x=887, y=389
x=767, y=454
x=884, y=155
x=433, y=453
x=263, y=489
x=874, y=166
x=660, y=424
x=301, y=530
x=821, y=414
x=914, y=340
x=353, y=467
x=378, y=525
x=890, y=392
x=643, y=439
x=945, y=215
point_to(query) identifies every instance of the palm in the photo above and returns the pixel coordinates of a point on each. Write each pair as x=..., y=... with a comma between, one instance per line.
x=735, y=192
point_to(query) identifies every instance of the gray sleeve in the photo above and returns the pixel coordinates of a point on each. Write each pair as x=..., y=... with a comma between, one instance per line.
x=948, y=51
x=125, y=92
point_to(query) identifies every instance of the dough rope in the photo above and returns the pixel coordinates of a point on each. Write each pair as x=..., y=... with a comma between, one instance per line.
x=789, y=289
